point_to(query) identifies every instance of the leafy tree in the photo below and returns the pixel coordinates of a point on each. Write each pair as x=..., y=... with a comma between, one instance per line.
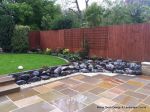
x=62, y=23
x=146, y=14
x=76, y=21
x=122, y=13
x=50, y=14
x=4, y=10
x=93, y=15
x=21, y=12
x=6, y=26
x=46, y=22
x=42, y=9
x=139, y=13
x=119, y=14
x=6, y=32
x=45, y=14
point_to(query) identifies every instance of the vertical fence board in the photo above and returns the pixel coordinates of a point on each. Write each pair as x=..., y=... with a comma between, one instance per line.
x=147, y=43
x=34, y=40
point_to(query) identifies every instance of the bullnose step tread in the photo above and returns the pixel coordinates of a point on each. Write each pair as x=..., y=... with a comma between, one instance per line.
x=6, y=80
x=9, y=89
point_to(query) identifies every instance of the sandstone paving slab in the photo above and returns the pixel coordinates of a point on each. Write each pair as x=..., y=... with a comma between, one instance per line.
x=7, y=106
x=114, y=81
x=91, y=108
x=68, y=104
x=126, y=87
x=56, y=110
x=79, y=77
x=90, y=80
x=127, y=100
x=141, y=108
x=50, y=96
x=53, y=84
x=100, y=77
x=143, y=81
x=117, y=90
x=104, y=102
x=124, y=78
x=136, y=95
x=106, y=85
x=22, y=94
x=71, y=82
x=144, y=77
x=69, y=92
x=147, y=101
x=147, y=87
x=37, y=107
x=143, y=91
x=135, y=83
x=28, y=101
x=117, y=108
x=86, y=98
x=3, y=98
x=83, y=87
x=108, y=94
x=42, y=89
x=61, y=87
x=97, y=90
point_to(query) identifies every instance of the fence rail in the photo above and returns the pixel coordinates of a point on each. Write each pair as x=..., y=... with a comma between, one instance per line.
x=129, y=42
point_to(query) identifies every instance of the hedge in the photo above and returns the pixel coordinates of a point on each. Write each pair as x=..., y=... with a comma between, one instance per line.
x=19, y=40
x=6, y=31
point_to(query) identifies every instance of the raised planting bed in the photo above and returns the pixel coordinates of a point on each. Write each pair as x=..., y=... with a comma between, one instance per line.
x=84, y=66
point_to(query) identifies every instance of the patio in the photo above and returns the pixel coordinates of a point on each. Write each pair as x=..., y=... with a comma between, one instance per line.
x=82, y=94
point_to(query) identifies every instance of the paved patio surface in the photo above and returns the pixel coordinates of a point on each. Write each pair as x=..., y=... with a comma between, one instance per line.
x=83, y=94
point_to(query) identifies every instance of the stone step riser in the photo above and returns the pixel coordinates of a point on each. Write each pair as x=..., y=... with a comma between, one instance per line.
x=6, y=83
x=9, y=91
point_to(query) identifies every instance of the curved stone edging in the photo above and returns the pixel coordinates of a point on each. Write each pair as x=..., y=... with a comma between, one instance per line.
x=63, y=59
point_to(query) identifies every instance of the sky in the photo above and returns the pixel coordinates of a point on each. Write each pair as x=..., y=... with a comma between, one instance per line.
x=81, y=2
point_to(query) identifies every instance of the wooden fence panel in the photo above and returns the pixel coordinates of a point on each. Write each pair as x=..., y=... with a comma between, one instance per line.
x=34, y=40
x=49, y=39
x=126, y=42
x=97, y=40
x=73, y=39
x=68, y=39
x=129, y=42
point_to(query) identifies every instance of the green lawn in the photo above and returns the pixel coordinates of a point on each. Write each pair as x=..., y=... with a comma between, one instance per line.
x=10, y=62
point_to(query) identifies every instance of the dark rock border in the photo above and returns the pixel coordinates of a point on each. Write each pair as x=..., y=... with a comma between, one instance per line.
x=84, y=66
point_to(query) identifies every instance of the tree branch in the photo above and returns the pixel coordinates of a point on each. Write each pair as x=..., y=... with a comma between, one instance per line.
x=77, y=4
x=87, y=3
x=74, y=11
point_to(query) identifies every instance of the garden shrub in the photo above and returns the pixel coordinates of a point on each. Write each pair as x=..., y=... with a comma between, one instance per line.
x=73, y=57
x=6, y=32
x=66, y=51
x=48, y=51
x=59, y=50
x=19, y=40
x=70, y=56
